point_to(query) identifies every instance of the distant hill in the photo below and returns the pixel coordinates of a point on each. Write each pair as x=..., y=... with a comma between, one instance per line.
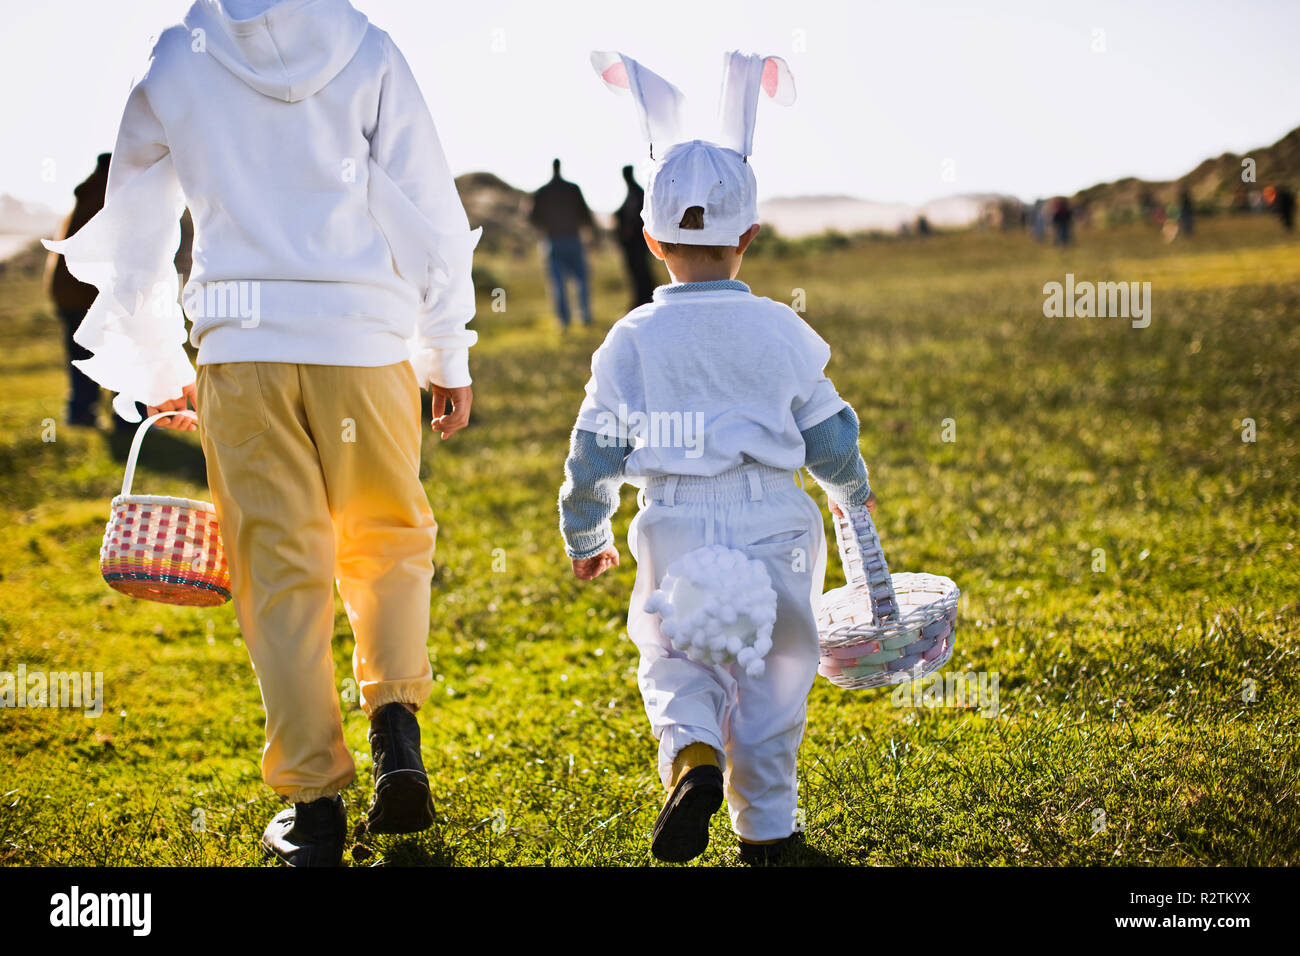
x=503, y=212
x=1214, y=185
x=809, y=215
x=18, y=218
x=21, y=222
x=501, y=209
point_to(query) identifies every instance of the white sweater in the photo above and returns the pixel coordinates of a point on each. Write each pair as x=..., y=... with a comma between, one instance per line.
x=327, y=227
x=705, y=378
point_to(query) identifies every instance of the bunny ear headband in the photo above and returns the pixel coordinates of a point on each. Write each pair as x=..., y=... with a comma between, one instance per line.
x=659, y=104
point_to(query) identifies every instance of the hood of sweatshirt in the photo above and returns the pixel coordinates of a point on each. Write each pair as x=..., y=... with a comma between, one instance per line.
x=284, y=49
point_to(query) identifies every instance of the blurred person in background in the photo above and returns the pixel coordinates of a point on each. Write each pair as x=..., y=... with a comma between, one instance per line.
x=635, y=253
x=561, y=213
x=1062, y=218
x=1284, y=202
x=72, y=298
x=1186, y=214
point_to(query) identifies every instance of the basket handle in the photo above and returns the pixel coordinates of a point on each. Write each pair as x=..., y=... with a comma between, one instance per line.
x=864, y=560
x=136, y=442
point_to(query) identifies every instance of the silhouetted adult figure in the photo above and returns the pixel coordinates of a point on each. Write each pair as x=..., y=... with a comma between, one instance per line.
x=1147, y=205
x=635, y=252
x=561, y=213
x=1186, y=214
x=1062, y=217
x=72, y=298
x=1284, y=200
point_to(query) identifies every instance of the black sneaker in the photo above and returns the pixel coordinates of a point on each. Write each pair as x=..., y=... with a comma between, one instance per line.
x=308, y=834
x=765, y=854
x=681, y=832
x=402, y=801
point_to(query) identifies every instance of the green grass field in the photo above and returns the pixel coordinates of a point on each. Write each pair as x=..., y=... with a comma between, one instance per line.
x=1127, y=565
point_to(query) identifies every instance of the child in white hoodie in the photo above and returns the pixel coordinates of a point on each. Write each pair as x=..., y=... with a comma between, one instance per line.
x=331, y=281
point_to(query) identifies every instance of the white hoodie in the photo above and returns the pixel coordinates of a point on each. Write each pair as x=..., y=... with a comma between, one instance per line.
x=327, y=227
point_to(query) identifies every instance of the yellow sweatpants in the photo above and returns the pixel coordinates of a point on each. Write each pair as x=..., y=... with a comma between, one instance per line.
x=314, y=473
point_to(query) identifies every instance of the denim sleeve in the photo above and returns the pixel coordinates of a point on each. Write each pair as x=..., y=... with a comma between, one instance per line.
x=593, y=473
x=834, y=460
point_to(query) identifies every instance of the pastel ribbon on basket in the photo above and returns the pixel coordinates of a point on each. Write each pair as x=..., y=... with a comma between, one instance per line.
x=882, y=628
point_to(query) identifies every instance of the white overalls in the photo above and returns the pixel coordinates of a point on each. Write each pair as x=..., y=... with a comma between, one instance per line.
x=756, y=724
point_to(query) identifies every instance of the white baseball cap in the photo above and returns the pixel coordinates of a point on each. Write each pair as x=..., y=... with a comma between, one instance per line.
x=698, y=173
x=717, y=178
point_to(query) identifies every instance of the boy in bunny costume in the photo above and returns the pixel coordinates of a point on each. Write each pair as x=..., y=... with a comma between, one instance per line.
x=331, y=282
x=711, y=399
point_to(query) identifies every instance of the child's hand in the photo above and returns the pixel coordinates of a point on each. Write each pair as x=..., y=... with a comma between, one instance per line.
x=870, y=504
x=596, y=565
x=461, y=399
x=183, y=423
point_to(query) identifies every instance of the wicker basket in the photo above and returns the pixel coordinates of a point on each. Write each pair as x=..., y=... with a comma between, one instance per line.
x=882, y=629
x=161, y=548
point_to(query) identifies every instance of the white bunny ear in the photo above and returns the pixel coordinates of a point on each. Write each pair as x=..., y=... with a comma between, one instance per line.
x=744, y=76
x=658, y=103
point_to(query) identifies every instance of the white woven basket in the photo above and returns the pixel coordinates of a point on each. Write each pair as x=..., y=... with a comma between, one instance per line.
x=881, y=629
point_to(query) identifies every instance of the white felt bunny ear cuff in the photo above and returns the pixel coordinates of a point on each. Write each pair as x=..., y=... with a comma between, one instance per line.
x=659, y=104
x=744, y=77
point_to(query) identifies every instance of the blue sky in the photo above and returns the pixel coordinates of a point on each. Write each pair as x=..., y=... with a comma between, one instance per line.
x=897, y=101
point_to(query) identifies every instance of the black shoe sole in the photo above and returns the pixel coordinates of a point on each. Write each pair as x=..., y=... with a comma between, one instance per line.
x=270, y=851
x=402, y=804
x=682, y=831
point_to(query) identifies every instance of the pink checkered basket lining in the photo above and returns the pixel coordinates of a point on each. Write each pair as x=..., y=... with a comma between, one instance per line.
x=162, y=548
x=881, y=629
